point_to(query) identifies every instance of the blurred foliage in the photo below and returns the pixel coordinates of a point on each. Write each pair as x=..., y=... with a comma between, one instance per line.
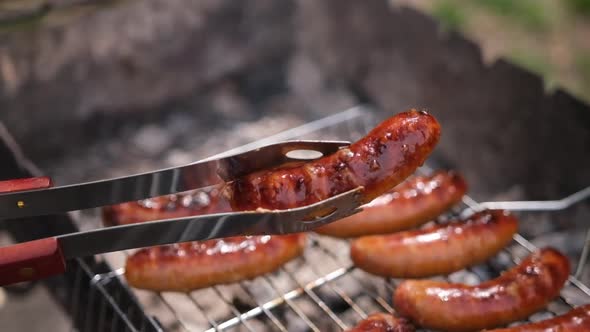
x=19, y=23
x=19, y=15
x=547, y=37
x=449, y=14
x=536, y=62
x=580, y=6
x=528, y=12
x=583, y=67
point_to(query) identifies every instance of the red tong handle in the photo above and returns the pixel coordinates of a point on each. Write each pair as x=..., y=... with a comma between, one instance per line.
x=25, y=184
x=31, y=260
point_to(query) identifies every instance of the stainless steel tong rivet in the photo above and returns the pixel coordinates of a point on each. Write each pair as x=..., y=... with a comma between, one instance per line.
x=304, y=154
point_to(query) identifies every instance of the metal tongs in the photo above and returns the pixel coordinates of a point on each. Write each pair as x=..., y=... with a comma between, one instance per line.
x=45, y=257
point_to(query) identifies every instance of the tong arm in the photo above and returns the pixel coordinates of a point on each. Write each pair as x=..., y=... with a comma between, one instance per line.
x=42, y=258
x=43, y=200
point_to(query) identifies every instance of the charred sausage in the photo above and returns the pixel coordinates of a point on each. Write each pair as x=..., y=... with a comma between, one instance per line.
x=577, y=320
x=193, y=265
x=164, y=207
x=435, y=250
x=514, y=295
x=199, y=264
x=381, y=322
x=386, y=156
x=410, y=204
x=379, y=161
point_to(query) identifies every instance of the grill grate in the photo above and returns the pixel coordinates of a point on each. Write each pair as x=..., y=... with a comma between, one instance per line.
x=320, y=291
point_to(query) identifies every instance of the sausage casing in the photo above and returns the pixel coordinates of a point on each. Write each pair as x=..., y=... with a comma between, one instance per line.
x=386, y=156
x=379, y=161
x=513, y=296
x=435, y=250
x=381, y=322
x=163, y=207
x=410, y=204
x=194, y=265
x=576, y=320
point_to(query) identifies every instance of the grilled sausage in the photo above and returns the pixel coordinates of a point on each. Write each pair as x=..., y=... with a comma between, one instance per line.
x=194, y=265
x=381, y=322
x=382, y=159
x=199, y=264
x=164, y=207
x=386, y=156
x=410, y=204
x=514, y=295
x=379, y=161
x=577, y=320
x=435, y=250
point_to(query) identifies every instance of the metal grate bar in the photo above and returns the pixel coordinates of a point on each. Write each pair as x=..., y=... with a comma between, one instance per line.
x=75, y=302
x=114, y=305
x=285, y=298
x=114, y=319
x=523, y=242
x=211, y=321
x=102, y=316
x=584, y=256
x=555, y=205
x=305, y=129
x=317, y=301
x=176, y=315
x=266, y=311
x=351, y=122
x=342, y=294
x=530, y=247
x=294, y=306
x=380, y=300
x=233, y=309
x=89, y=308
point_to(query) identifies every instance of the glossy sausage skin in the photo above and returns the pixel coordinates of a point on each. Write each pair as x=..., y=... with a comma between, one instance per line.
x=435, y=250
x=193, y=265
x=199, y=264
x=164, y=207
x=386, y=156
x=515, y=295
x=577, y=320
x=381, y=322
x=410, y=204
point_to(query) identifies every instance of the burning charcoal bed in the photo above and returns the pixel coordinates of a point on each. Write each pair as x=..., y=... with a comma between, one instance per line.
x=511, y=139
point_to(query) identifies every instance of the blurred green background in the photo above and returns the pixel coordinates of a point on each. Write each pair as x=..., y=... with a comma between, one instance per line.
x=549, y=37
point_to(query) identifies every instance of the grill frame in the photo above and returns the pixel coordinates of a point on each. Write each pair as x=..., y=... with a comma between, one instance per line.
x=243, y=319
x=511, y=88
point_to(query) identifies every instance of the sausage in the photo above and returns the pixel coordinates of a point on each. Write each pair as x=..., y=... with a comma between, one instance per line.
x=513, y=296
x=386, y=156
x=410, y=204
x=576, y=320
x=199, y=264
x=196, y=202
x=435, y=250
x=193, y=265
x=379, y=161
x=381, y=322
